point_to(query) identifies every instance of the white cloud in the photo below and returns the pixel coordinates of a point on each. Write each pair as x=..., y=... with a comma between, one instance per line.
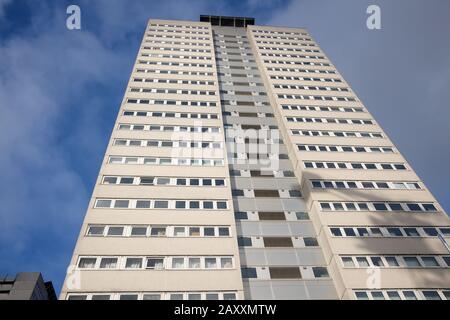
x=38, y=78
x=49, y=111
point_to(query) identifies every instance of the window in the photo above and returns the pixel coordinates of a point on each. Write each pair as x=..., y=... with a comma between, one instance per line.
x=249, y=273
x=210, y=263
x=362, y=232
x=409, y=295
x=430, y=262
x=212, y=296
x=163, y=181
x=432, y=232
x=121, y=203
x=208, y=205
x=194, y=231
x=151, y=296
x=194, y=263
x=224, y=232
x=86, y=263
x=147, y=180
x=380, y=206
x=361, y=295
x=429, y=207
x=124, y=180
x=160, y=204
x=336, y=232
x=394, y=232
x=411, y=232
x=412, y=262
x=115, y=231
x=128, y=297
x=226, y=263
x=109, y=180
x=194, y=205
x=377, y=295
x=294, y=194
x=180, y=204
x=348, y=262
x=208, y=232
x=103, y=203
x=392, y=261
x=77, y=297
x=349, y=232
x=177, y=263
x=179, y=232
x=302, y=215
x=244, y=241
x=138, y=231
x=96, y=230
x=447, y=261
x=377, y=262
x=158, y=231
x=229, y=296
x=108, y=263
x=133, y=263
x=376, y=232
x=100, y=297
x=239, y=215
x=362, y=262
x=284, y=273
x=320, y=272
x=310, y=242
x=142, y=204
x=431, y=295
x=155, y=263
x=413, y=206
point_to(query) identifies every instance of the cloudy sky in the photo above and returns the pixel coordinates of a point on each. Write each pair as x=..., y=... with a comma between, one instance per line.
x=60, y=91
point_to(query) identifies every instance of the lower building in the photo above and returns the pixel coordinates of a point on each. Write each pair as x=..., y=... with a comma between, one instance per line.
x=26, y=286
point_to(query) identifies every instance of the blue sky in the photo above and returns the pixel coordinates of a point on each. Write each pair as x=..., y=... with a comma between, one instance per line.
x=60, y=91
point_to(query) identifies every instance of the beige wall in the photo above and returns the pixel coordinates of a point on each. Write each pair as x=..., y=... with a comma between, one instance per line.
x=167, y=280
x=348, y=279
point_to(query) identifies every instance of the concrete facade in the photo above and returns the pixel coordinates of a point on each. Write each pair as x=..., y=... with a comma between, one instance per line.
x=243, y=166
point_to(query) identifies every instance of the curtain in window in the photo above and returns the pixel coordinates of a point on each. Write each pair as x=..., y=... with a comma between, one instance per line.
x=108, y=263
x=210, y=263
x=178, y=263
x=134, y=263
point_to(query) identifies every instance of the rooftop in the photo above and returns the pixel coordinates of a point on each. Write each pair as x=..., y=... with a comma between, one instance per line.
x=225, y=21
